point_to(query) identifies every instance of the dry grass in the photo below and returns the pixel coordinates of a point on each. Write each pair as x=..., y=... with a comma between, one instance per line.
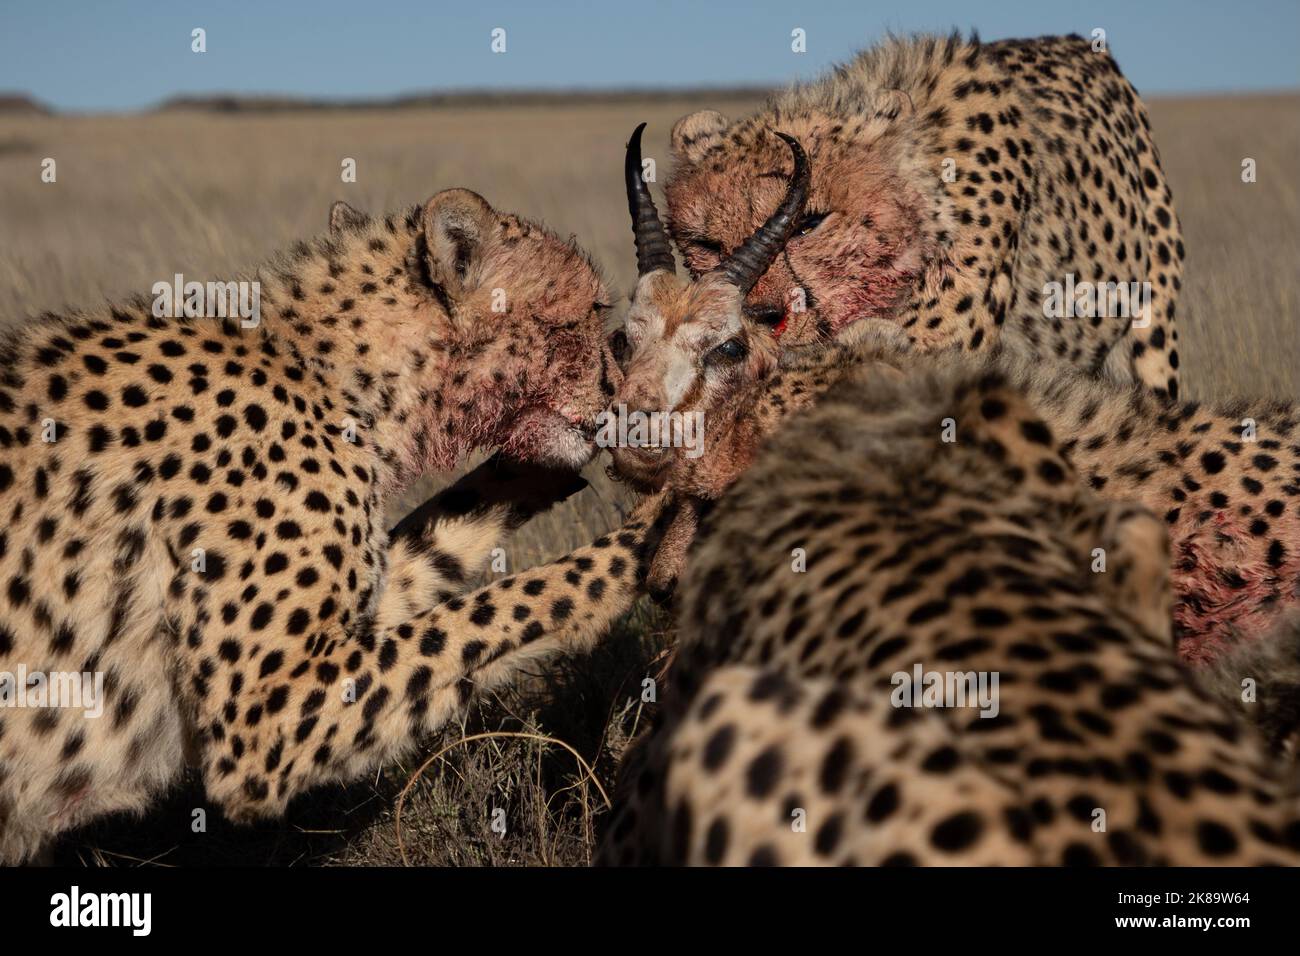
x=1239, y=318
x=140, y=198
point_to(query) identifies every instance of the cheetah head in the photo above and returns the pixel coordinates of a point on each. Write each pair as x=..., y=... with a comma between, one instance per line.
x=527, y=362
x=855, y=252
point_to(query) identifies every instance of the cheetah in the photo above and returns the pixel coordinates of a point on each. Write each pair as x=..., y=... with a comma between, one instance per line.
x=954, y=182
x=205, y=531
x=1225, y=479
x=793, y=732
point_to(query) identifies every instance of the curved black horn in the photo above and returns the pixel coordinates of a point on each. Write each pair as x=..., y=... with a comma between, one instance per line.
x=744, y=266
x=652, y=249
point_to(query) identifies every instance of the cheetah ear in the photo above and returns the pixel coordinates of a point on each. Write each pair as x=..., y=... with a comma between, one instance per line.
x=891, y=104
x=457, y=224
x=344, y=217
x=879, y=338
x=694, y=133
x=1136, y=551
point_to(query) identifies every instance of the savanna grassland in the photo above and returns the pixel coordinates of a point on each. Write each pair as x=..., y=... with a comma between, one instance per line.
x=210, y=195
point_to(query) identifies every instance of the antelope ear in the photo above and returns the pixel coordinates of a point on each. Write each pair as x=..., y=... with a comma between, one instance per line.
x=694, y=133
x=457, y=225
x=343, y=216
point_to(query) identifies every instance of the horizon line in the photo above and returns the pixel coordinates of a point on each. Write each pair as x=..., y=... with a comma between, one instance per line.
x=219, y=101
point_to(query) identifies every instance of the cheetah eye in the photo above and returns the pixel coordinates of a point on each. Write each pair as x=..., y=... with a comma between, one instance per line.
x=732, y=350
x=809, y=222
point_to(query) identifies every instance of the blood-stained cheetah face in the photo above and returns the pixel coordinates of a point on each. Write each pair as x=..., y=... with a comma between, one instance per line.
x=857, y=249
x=564, y=369
x=526, y=344
x=691, y=345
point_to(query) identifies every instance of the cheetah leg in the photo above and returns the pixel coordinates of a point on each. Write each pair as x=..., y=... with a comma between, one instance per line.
x=1155, y=359
x=500, y=493
x=441, y=546
x=1151, y=346
x=670, y=558
x=577, y=599
x=379, y=690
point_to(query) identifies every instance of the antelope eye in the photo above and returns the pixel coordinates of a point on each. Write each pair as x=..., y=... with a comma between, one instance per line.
x=708, y=245
x=731, y=350
x=809, y=222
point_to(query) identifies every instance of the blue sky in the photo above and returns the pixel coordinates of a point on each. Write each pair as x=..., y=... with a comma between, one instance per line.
x=124, y=55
